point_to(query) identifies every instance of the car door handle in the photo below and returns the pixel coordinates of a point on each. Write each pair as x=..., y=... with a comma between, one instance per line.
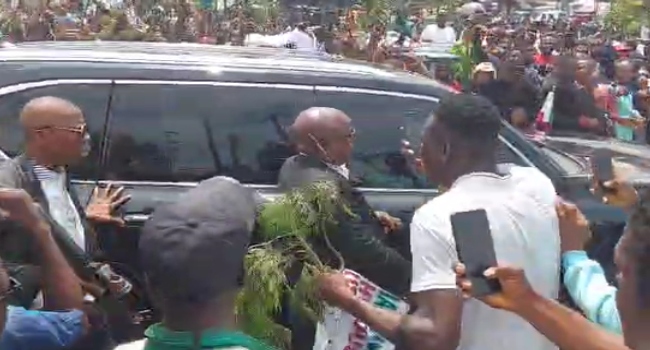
x=136, y=217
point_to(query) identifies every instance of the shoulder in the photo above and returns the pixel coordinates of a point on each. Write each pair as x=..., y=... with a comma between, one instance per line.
x=10, y=173
x=42, y=329
x=534, y=184
x=432, y=219
x=301, y=170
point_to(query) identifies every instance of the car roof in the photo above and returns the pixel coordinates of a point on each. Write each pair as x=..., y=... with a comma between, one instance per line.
x=193, y=55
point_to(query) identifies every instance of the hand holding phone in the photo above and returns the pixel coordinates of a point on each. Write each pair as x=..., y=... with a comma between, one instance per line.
x=475, y=249
x=603, y=168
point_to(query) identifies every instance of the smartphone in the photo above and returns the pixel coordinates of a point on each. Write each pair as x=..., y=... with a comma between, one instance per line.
x=602, y=166
x=475, y=249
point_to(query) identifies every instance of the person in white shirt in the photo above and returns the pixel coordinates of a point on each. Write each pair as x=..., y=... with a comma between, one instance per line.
x=459, y=153
x=439, y=35
x=300, y=39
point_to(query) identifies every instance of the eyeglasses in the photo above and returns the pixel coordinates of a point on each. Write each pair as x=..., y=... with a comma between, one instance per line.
x=14, y=286
x=79, y=129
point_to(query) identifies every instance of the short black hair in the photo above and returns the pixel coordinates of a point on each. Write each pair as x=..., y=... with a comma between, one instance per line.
x=471, y=117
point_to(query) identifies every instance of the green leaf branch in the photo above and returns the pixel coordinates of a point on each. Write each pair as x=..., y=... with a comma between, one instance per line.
x=287, y=225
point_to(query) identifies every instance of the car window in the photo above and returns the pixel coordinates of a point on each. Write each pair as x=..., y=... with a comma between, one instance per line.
x=91, y=98
x=192, y=132
x=381, y=123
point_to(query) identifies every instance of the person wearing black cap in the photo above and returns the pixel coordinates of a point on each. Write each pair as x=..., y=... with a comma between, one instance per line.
x=207, y=229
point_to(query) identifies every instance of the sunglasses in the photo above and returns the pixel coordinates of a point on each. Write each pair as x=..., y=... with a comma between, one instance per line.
x=14, y=286
x=79, y=129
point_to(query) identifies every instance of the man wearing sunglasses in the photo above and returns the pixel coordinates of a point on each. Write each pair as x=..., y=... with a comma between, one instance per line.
x=28, y=329
x=56, y=137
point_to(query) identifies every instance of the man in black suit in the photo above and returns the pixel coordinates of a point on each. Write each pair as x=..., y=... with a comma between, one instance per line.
x=324, y=137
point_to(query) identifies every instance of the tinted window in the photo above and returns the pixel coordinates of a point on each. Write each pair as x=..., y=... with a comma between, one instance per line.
x=381, y=122
x=91, y=98
x=193, y=132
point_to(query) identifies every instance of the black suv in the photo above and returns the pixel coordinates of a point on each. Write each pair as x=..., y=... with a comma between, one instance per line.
x=164, y=116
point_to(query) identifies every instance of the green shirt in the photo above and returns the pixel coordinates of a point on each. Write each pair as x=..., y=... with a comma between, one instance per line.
x=160, y=338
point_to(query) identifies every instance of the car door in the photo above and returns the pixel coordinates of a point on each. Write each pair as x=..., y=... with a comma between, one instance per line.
x=165, y=136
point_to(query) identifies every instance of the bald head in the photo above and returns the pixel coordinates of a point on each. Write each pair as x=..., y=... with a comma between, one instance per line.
x=50, y=111
x=319, y=122
x=324, y=132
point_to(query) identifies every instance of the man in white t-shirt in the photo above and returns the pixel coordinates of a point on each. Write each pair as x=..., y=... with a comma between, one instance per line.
x=458, y=152
x=439, y=35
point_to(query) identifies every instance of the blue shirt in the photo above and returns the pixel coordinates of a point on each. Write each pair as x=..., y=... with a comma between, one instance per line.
x=30, y=329
x=586, y=283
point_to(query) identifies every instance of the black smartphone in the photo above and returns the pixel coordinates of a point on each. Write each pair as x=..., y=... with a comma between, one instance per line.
x=475, y=249
x=602, y=166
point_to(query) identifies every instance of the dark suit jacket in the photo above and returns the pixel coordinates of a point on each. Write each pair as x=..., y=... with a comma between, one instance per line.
x=359, y=239
x=15, y=244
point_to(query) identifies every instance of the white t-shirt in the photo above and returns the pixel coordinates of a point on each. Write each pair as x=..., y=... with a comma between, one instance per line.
x=301, y=39
x=521, y=210
x=439, y=38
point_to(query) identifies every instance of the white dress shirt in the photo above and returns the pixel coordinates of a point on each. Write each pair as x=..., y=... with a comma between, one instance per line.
x=60, y=203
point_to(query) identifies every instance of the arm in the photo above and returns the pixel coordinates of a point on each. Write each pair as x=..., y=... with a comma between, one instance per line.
x=567, y=328
x=586, y=283
x=359, y=241
x=436, y=323
x=61, y=288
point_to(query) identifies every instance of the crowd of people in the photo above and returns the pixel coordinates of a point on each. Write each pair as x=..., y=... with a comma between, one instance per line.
x=544, y=78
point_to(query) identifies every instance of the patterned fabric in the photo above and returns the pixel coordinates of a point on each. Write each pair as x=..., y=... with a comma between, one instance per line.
x=586, y=283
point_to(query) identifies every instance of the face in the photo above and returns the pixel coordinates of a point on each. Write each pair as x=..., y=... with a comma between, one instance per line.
x=624, y=73
x=70, y=137
x=585, y=72
x=441, y=21
x=546, y=46
x=336, y=143
x=434, y=152
x=442, y=73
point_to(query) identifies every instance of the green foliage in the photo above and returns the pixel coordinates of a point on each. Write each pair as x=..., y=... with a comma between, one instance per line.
x=626, y=17
x=287, y=225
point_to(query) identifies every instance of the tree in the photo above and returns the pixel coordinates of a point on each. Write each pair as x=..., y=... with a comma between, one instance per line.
x=627, y=16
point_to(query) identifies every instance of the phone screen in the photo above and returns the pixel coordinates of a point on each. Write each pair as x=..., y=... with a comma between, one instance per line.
x=475, y=249
x=602, y=166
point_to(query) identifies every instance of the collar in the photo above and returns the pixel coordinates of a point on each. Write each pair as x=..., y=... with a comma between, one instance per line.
x=43, y=173
x=342, y=169
x=210, y=338
x=484, y=175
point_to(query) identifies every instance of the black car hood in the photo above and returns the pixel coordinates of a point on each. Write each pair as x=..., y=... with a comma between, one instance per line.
x=633, y=160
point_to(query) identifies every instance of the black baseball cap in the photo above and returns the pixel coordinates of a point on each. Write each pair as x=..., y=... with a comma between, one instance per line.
x=193, y=249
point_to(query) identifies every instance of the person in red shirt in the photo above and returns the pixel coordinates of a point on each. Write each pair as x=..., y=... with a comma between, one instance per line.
x=544, y=58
